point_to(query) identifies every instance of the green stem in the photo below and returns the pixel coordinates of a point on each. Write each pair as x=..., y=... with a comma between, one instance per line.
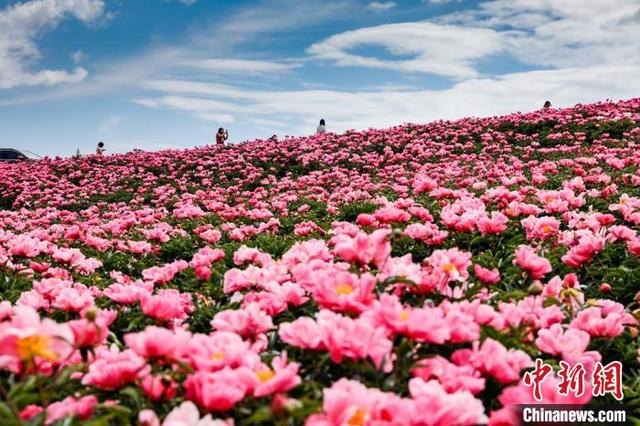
x=9, y=401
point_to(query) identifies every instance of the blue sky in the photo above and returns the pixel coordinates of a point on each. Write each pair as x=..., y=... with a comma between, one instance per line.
x=155, y=74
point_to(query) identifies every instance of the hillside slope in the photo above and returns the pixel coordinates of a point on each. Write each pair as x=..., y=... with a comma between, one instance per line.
x=410, y=274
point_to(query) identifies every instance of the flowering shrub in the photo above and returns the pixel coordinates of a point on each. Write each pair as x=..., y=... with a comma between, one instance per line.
x=407, y=276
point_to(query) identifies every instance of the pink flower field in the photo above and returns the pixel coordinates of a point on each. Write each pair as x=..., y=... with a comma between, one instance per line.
x=405, y=276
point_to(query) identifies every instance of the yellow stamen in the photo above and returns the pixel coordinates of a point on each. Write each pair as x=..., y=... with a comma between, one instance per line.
x=344, y=289
x=450, y=268
x=404, y=315
x=265, y=375
x=35, y=346
x=546, y=229
x=218, y=356
x=358, y=418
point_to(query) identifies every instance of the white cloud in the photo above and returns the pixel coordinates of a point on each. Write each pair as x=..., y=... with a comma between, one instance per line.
x=22, y=24
x=543, y=33
x=583, y=51
x=440, y=49
x=299, y=110
x=217, y=40
x=187, y=2
x=109, y=124
x=236, y=66
x=377, y=6
x=204, y=109
x=575, y=67
x=78, y=56
x=561, y=34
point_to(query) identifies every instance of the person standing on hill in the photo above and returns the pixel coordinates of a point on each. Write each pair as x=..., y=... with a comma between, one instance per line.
x=547, y=105
x=221, y=136
x=322, y=128
x=100, y=149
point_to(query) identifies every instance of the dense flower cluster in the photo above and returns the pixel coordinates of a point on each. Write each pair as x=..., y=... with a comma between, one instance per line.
x=407, y=276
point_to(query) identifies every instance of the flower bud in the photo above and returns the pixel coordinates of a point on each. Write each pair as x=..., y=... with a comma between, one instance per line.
x=605, y=288
x=91, y=314
x=535, y=288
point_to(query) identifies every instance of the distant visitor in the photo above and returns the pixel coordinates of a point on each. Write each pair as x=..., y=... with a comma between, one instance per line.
x=221, y=136
x=547, y=105
x=100, y=149
x=322, y=128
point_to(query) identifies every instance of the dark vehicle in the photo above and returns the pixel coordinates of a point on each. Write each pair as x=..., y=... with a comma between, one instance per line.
x=12, y=155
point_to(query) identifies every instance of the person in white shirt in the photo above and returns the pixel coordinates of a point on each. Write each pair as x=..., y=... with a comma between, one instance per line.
x=100, y=149
x=321, y=128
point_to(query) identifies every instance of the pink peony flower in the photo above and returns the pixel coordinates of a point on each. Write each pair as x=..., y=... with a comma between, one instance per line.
x=452, y=377
x=436, y=406
x=343, y=337
x=167, y=305
x=93, y=332
x=34, y=300
x=570, y=344
x=343, y=291
x=306, y=251
x=541, y=228
x=112, y=369
x=391, y=214
x=211, y=236
x=587, y=247
x=158, y=342
x=186, y=414
x=30, y=411
x=304, y=333
x=247, y=322
x=495, y=224
x=281, y=378
x=82, y=408
x=528, y=260
x=348, y=402
x=606, y=319
x=148, y=417
x=450, y=265
x=76, y=298
x=27, y=340
x=364, y=219
x=221, y=349
x=427, y=325
x=364, y=249
x=128, y=294
x=487, y=276
x=250, y=255
x=220, y=390
x=158, y=388
x=428, y=233
x=164, y=274
x=493, y=359
x=24, y=245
